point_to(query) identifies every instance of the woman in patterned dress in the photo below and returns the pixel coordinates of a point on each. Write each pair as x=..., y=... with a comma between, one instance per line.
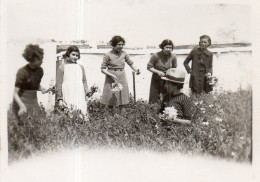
x=113, y=67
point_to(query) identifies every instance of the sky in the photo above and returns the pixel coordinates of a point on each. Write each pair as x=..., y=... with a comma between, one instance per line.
x=140, y=22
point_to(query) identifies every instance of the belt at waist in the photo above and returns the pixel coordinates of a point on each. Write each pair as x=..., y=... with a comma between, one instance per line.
x=116, y=69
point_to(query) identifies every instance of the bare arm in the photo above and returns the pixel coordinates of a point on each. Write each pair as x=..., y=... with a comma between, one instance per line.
x=158, y=72
x=22, y=107
x=182, y=121
x=84, y=80
x=103, y=70
x=135, y=68
x=150, y=66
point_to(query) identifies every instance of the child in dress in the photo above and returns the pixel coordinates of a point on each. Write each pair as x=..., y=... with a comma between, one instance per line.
x=71, y=82
x=201, y=67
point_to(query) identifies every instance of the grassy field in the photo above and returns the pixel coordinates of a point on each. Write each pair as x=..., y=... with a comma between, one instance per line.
x=221, y=128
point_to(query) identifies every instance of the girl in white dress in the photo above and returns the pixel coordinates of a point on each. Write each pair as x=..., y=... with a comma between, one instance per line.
x=71, y=82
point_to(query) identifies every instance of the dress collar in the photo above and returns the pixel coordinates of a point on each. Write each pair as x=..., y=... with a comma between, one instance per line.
x=31, y=69
x=206, y=51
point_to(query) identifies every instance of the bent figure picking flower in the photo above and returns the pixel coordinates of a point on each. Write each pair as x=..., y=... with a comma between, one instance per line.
x=176, y=106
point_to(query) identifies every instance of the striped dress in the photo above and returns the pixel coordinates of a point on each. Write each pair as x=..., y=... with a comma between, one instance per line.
x=182, y=103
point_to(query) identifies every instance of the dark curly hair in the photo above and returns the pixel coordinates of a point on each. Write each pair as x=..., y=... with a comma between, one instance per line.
x=207, y=37
x=32, y=52
x=70, y=50
x=114, y=41
x=165, y=43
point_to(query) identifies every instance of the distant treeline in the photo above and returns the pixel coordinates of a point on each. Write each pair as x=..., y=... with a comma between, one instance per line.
x=61, y=48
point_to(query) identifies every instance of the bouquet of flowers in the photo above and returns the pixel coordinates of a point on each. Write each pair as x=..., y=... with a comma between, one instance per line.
x=169, y=114
x=116, y=87
x=212, y=80
x=92, y=91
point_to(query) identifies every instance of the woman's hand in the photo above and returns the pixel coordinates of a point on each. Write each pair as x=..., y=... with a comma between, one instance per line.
x=138, y=72
x=44, y=91
x=160, y=73
x=114, y=77
x=22, y=110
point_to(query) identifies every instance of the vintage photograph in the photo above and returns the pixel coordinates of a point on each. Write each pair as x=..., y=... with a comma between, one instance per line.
x=128, y=90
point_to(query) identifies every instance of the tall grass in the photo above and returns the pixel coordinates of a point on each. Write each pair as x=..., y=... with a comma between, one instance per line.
x=221, y=127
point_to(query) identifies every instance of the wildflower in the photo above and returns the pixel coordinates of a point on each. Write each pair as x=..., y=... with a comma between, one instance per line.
x=95, y=96
x=205, y=123
x=211, y=105
x=212, y=80
x=218, y=119
x=196, y=103
x=201, y=102
x=203, y=110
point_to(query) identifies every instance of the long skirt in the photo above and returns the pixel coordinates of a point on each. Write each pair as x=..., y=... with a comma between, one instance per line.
x=118, y=98
x=29, y=98
x=156, y=88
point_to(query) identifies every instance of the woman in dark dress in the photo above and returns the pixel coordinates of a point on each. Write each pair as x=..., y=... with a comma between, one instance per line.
x=28, y=79
x=159, y=63
x=201, y=67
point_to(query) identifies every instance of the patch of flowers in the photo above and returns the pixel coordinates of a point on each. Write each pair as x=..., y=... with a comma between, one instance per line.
x=222, y=128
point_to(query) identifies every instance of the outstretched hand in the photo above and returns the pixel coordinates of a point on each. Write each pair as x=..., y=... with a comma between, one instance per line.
x=138, y=72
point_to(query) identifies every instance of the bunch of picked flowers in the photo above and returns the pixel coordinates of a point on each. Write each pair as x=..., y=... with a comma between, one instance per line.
x=116, y=87
x=212, y=80
x=169, y=114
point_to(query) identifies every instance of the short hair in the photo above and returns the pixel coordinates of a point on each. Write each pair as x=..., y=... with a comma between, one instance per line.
x=116, y=39
x=165, y=43
x=206, y=37
x=32, y=52
x=70, y=50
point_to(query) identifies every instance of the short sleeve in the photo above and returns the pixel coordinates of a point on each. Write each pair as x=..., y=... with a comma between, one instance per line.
x=174, y=62
x=20, y=78
x=105, y=61
x=128, y=60
x=152, y=62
